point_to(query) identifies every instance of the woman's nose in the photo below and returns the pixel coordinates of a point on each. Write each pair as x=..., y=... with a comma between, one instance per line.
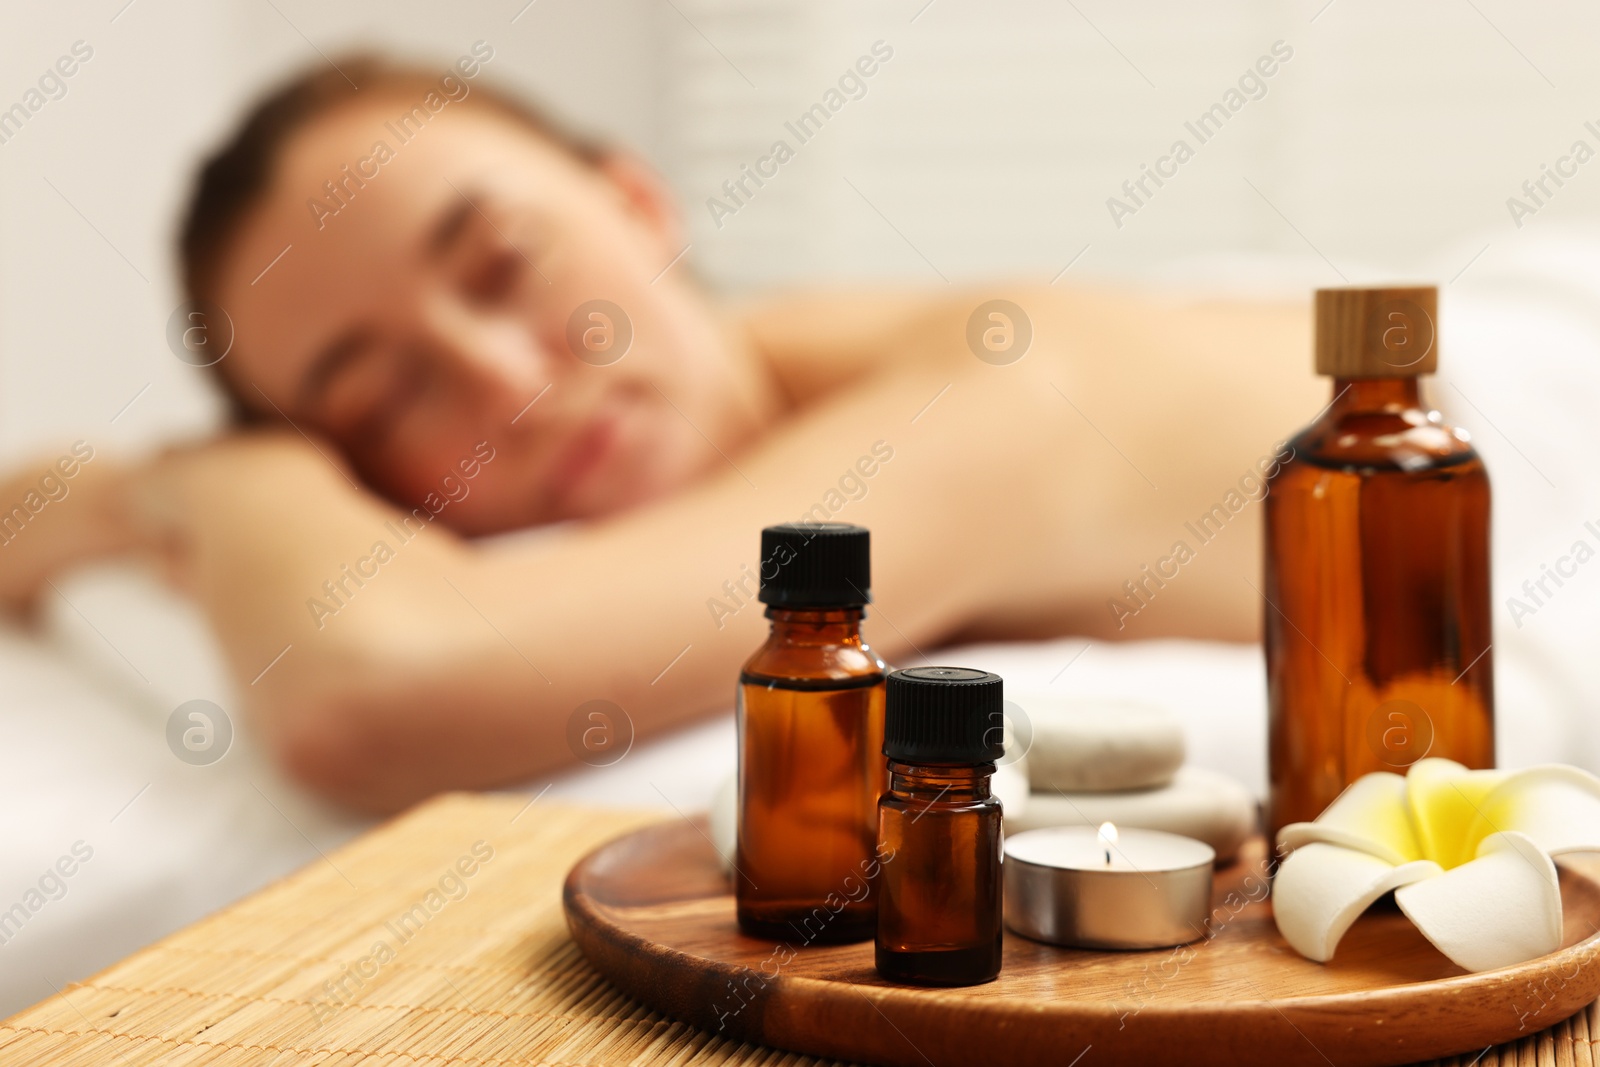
x=497, y=354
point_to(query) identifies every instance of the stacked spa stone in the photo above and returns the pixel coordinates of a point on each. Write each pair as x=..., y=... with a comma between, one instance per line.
x=1083, y=762
x=1074, y=761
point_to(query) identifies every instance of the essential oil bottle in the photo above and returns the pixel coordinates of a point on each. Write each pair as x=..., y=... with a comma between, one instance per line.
x=939, y=838
x=811, y=769
x=1377, y=567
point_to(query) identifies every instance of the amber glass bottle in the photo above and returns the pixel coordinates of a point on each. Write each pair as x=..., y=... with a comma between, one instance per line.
x=1377, y=568
x=811, y=769
x=939, y=839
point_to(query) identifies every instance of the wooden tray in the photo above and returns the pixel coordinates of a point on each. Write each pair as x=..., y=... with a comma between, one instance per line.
x=653, y=912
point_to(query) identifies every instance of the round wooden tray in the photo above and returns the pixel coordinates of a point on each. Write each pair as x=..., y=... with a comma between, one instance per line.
x=654, y=913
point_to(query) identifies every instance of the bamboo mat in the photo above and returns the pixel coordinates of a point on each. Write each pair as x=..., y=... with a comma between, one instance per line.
x=436, y=939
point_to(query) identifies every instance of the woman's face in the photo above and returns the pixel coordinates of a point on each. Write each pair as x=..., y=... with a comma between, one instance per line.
x=446, y=297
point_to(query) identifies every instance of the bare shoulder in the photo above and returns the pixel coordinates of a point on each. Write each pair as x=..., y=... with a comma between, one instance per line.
x=833, y=316
x=893, y=323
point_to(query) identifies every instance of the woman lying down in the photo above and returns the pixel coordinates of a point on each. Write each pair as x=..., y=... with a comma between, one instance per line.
x=493, y=328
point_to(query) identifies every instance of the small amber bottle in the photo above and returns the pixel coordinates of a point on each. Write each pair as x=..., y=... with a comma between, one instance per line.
x=1377, y=568
x=810, y=714
x=939, y=838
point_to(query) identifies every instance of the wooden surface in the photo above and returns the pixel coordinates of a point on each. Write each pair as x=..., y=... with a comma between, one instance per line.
x=490, y=978
x=654, y=913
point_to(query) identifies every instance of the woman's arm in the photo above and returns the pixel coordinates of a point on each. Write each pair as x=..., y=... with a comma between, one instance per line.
x=454, y=665
x=388, y=659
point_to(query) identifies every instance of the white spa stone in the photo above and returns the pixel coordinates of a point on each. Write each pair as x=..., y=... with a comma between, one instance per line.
x=1009, y=783
x=1082, y=745
x=1197, y=803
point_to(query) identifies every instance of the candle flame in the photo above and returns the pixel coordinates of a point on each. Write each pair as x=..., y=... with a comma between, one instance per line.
x=1108, y=838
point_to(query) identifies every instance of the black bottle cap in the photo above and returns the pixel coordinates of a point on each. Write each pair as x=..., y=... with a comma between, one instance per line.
x=944, y=715
x=816, y=565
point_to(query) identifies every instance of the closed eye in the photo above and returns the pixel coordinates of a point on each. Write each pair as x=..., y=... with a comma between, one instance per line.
x=494, y=276
x=495, y=253
x=370, y=393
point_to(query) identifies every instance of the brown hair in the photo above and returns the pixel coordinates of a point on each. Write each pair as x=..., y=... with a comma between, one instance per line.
x=237, y=175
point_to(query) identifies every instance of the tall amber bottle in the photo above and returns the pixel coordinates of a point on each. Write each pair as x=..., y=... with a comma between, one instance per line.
x=1377, y=568
x=811, y=764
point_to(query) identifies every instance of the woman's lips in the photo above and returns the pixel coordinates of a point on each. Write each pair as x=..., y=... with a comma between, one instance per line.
x=583, y=456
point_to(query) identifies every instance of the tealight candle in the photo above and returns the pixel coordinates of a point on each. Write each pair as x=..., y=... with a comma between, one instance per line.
x=1107, y=888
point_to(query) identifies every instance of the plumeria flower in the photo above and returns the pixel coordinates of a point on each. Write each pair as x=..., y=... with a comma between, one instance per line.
x=1467, y=854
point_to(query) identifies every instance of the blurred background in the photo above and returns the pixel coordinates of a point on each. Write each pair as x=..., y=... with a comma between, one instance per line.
x=987, y=146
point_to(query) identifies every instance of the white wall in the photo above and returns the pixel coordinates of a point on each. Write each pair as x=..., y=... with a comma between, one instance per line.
x=994, y=137
x=987, y=145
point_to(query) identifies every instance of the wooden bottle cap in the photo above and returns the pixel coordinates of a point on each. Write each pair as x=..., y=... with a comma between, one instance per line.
x=1387, y=332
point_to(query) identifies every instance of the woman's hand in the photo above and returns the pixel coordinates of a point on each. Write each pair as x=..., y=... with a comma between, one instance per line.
x=60, y=510
x=209, y=504
x=80, y=505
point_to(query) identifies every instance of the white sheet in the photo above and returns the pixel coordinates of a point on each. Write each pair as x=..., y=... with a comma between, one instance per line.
x=168, y=842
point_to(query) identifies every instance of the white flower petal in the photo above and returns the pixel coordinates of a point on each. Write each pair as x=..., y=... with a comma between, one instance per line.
x=1445, y=798
x=1371, y=815
x=1321, y=889
x=1558, y=807
x=1502, y=908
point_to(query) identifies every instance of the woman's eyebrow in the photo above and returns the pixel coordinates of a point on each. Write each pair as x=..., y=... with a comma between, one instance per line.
x=451, y=225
